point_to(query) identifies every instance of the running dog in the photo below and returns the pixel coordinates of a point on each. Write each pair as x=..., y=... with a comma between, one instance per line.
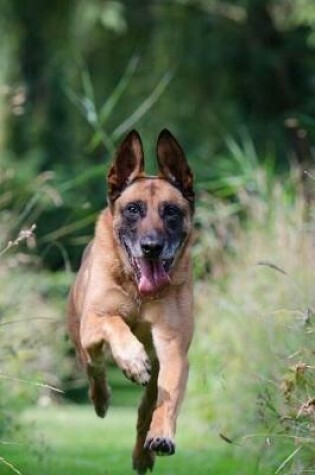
x=133, y=292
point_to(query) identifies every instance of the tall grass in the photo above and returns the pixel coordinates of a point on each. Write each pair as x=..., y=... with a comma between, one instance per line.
x=31, y=328
x=253, y=376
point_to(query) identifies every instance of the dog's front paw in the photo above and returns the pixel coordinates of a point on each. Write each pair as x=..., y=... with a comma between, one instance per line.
x=160, y=445
x=135, y=364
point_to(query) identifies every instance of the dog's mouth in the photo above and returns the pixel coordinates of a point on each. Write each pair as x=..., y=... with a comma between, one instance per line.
x=152, y=274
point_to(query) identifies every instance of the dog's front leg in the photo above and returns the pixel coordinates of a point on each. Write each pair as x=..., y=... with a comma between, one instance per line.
x=171, y=348
x=129, y=354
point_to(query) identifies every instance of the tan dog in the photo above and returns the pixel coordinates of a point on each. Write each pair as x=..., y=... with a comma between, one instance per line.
x=133, y=292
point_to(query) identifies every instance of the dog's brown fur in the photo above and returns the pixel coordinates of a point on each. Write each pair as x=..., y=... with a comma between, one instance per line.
x=147, y=330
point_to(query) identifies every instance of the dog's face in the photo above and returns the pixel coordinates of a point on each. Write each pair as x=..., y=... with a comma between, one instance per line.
x=152, y=215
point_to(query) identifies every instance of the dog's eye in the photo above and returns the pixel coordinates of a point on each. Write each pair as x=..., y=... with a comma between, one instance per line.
x=172, y=211
x=133, y=208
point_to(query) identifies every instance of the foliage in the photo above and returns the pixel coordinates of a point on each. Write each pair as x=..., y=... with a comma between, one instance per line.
x=33, y=351
x=253, y=361
x=28, y=367
x=241, y=185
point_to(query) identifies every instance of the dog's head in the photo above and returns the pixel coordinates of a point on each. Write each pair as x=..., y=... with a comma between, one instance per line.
x=152, y=215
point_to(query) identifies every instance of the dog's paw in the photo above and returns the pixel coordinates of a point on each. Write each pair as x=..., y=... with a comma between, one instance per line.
x=135, y=364
x=100, y=396
x=143, y=461
x=160, y=445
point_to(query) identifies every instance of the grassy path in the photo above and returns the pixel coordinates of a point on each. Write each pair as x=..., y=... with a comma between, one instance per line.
x=70, y=440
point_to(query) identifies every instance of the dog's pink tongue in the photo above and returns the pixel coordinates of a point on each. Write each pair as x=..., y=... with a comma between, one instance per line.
x=153, y=276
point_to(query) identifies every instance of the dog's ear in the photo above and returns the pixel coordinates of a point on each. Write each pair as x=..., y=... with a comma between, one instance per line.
x=173, y=165
x=128, y=164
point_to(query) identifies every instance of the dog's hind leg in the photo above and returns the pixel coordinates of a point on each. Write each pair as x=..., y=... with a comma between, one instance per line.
x=95, y=366
x=142, y=458
x=99, y=391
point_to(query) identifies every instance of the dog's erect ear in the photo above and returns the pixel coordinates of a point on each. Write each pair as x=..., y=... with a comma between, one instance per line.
x=173, y=165
x=127, y=165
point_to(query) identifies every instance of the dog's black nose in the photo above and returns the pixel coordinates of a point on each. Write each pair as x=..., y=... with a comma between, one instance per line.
x=152, y=245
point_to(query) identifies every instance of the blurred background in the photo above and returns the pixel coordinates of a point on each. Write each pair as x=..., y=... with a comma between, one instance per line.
x=235, y=83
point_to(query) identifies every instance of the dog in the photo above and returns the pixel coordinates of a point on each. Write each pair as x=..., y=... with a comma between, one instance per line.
x=133, y=291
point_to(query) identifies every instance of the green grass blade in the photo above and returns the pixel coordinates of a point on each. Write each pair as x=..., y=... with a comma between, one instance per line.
x=87, y=84
x=122, y=85
x=146, y=105
x=10, y=466
x=69, y=228
x=287, y=460
x=80, y=179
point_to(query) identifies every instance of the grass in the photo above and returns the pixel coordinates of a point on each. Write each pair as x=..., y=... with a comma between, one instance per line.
x=70, y=439
x=253, y=358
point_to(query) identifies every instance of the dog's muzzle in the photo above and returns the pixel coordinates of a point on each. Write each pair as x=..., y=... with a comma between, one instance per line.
x=150, y=268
